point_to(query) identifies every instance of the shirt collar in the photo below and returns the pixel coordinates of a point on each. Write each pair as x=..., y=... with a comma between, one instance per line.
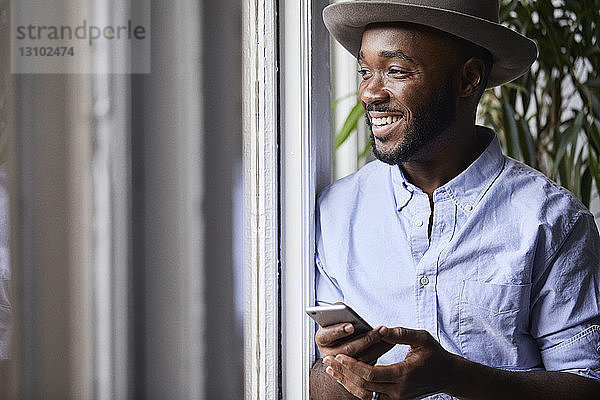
x=467, y=188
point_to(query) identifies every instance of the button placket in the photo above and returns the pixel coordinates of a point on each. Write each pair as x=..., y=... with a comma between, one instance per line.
x=418, y=213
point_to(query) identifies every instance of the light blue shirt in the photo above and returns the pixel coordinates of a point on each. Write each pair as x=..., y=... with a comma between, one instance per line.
x=510, y=276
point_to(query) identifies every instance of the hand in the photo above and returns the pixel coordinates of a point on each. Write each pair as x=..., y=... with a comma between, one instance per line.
x=367, y=347
x=427, y=369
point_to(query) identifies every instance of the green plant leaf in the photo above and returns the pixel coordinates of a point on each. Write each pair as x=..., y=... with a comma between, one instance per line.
x=589, y=97
x=577, y=174
x=511, y=132
x=529, y=88
x=586, y=187
x=342, y=98
x=365, y=151
x=350, y=124
x=506, y=8
x=526, y=143
x=595, y=103
x=566, y=138
x=594, y=167
x=594, y=133
x=519, y=88
x=593, y=83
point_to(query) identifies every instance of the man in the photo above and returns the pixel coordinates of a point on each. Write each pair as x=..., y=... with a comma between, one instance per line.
x=483, y=274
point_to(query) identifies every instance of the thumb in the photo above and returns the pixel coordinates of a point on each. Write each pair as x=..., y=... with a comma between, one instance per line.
x=401, y=335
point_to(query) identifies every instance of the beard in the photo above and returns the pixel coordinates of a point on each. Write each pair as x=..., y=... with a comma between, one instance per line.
x=423, y=132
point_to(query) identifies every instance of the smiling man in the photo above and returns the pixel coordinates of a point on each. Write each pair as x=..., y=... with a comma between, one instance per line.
x=483, y=275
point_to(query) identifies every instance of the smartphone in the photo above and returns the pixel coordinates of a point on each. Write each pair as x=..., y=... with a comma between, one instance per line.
x=336, y=314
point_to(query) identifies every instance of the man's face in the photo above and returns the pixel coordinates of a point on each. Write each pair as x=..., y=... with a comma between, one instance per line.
x=406, y=90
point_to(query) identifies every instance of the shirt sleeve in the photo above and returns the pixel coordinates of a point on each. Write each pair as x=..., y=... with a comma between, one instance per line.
x=565, y=312
x=326, y=287
x=327, y=290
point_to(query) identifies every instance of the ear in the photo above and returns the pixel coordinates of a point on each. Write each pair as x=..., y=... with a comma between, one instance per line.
x=471, y=77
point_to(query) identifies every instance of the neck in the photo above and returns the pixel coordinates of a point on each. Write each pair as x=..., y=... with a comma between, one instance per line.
x=461, y=147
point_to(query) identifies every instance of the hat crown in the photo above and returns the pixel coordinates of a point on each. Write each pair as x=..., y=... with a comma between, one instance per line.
x=485, y=9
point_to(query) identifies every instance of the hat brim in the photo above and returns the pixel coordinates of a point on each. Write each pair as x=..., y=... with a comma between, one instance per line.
x=512, y=52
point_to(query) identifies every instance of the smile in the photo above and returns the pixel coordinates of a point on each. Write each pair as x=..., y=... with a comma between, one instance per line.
x=383, y=124
x=382, y=121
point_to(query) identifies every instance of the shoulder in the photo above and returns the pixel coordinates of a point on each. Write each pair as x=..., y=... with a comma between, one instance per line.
x=356, y=184
x=531, y=194
x=537, y=191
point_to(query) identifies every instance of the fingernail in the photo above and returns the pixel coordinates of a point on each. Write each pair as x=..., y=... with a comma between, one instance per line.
x=329, y=370
x=383, y=330
x=327, y=360
x=348, y=328
x=339, y=357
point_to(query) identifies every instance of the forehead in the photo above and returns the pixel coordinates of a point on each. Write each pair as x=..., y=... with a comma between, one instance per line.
x=416, y=42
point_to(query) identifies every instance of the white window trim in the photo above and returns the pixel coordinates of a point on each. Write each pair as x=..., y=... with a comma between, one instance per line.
x=306, y=161
x=261, y=240
x=283, y=239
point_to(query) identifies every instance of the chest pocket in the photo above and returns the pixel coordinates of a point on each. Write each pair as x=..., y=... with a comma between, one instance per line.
x=493, y=325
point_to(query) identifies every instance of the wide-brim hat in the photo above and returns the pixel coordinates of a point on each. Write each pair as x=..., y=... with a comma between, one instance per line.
x=473, y=20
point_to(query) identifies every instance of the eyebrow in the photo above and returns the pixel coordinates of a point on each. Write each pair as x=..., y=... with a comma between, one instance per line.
x=391, y=54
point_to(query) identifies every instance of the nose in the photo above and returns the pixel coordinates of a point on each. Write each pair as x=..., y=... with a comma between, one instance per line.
x=373, y=91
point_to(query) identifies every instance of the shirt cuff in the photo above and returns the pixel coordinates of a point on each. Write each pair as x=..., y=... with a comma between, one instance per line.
x=588, y=373
x=580, y=354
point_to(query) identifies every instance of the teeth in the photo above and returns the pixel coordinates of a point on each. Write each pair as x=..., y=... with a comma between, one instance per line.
x=384, y=120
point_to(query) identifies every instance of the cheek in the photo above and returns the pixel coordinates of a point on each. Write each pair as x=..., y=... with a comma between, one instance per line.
x=411, y=97
x=361, y=90
x=406, y=92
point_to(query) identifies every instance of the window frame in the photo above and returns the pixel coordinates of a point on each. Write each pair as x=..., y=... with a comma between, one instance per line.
x=287, y=146
x=305, y=127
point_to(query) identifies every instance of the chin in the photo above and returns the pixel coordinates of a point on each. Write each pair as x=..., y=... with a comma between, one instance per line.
x=392, y=155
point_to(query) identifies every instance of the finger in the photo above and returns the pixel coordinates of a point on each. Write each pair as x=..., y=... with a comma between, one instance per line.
x=353, y=382
x=328, y=335
x=401, y=335
x=348, y=380
x=372, y=354
x=388, y=374
x=357, y=345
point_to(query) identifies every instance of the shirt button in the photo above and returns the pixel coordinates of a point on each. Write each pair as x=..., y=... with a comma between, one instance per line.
x=419, y=223
x=424, y=280
x=468, y=207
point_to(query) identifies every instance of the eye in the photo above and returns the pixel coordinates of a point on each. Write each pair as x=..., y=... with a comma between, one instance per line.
x=364, y=73
x=399, y=72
